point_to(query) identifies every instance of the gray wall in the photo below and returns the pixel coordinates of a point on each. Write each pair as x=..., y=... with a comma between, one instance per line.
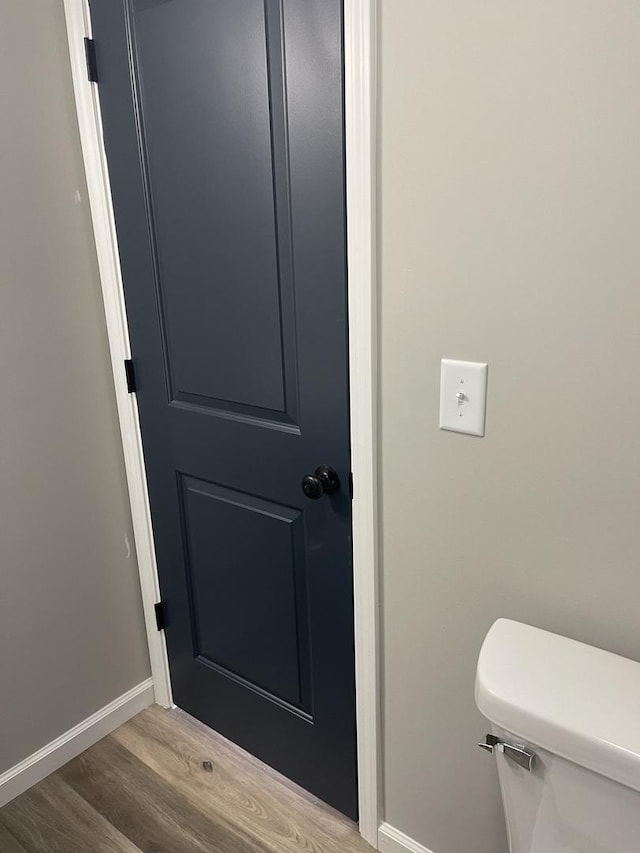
x=510, y=215
x=71, y=629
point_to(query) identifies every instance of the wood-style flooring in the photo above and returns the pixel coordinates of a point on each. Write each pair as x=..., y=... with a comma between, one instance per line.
x=164, y=783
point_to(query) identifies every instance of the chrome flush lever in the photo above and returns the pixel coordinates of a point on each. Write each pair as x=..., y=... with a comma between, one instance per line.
x=516, y=753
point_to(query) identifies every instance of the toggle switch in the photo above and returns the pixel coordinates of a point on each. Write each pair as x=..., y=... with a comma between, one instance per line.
x=463, y=396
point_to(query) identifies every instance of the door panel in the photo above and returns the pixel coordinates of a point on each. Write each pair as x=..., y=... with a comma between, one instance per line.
x=206, y=73
x=250, y=615
x=223, y=126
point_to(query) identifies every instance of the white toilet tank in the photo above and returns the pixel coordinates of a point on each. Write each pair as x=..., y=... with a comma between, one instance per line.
x=576, y=709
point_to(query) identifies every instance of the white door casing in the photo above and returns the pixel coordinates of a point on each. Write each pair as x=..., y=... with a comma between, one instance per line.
x=360, y=129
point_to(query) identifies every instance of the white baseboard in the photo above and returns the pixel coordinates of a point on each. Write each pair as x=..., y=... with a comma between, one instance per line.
x=391, y=840
x=51, y=757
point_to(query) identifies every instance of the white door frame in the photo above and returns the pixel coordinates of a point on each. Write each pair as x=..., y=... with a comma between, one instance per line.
x=360, y=96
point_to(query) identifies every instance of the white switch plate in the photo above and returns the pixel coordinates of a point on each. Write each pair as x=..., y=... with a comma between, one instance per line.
x=463, y=396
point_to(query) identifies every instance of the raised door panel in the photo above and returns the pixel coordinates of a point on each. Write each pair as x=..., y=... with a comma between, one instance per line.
x=212, y=131
x=245, y=560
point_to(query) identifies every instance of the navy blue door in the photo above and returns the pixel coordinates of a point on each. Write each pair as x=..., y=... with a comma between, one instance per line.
x=223, y=125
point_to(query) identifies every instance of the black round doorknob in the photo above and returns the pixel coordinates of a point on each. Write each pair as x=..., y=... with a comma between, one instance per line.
x=323, y=481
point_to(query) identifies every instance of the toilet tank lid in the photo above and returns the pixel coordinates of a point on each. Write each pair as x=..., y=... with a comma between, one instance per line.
x=574, y=700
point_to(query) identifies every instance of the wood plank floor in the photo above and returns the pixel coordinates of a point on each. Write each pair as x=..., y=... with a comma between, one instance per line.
x=164, y=783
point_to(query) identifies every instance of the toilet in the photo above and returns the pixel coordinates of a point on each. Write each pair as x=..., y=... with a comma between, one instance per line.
x=565, y=732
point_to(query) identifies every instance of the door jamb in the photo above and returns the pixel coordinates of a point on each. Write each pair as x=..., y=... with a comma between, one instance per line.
x=360, y=136
x=360, y=130
x=99, y=192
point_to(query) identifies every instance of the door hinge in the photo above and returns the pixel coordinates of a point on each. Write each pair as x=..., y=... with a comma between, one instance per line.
x=90, y=55
x=351, y=484
x=160, y=621
x=130, y=375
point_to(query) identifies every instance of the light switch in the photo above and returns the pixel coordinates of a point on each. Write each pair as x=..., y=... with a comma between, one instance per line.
x=463, y=396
